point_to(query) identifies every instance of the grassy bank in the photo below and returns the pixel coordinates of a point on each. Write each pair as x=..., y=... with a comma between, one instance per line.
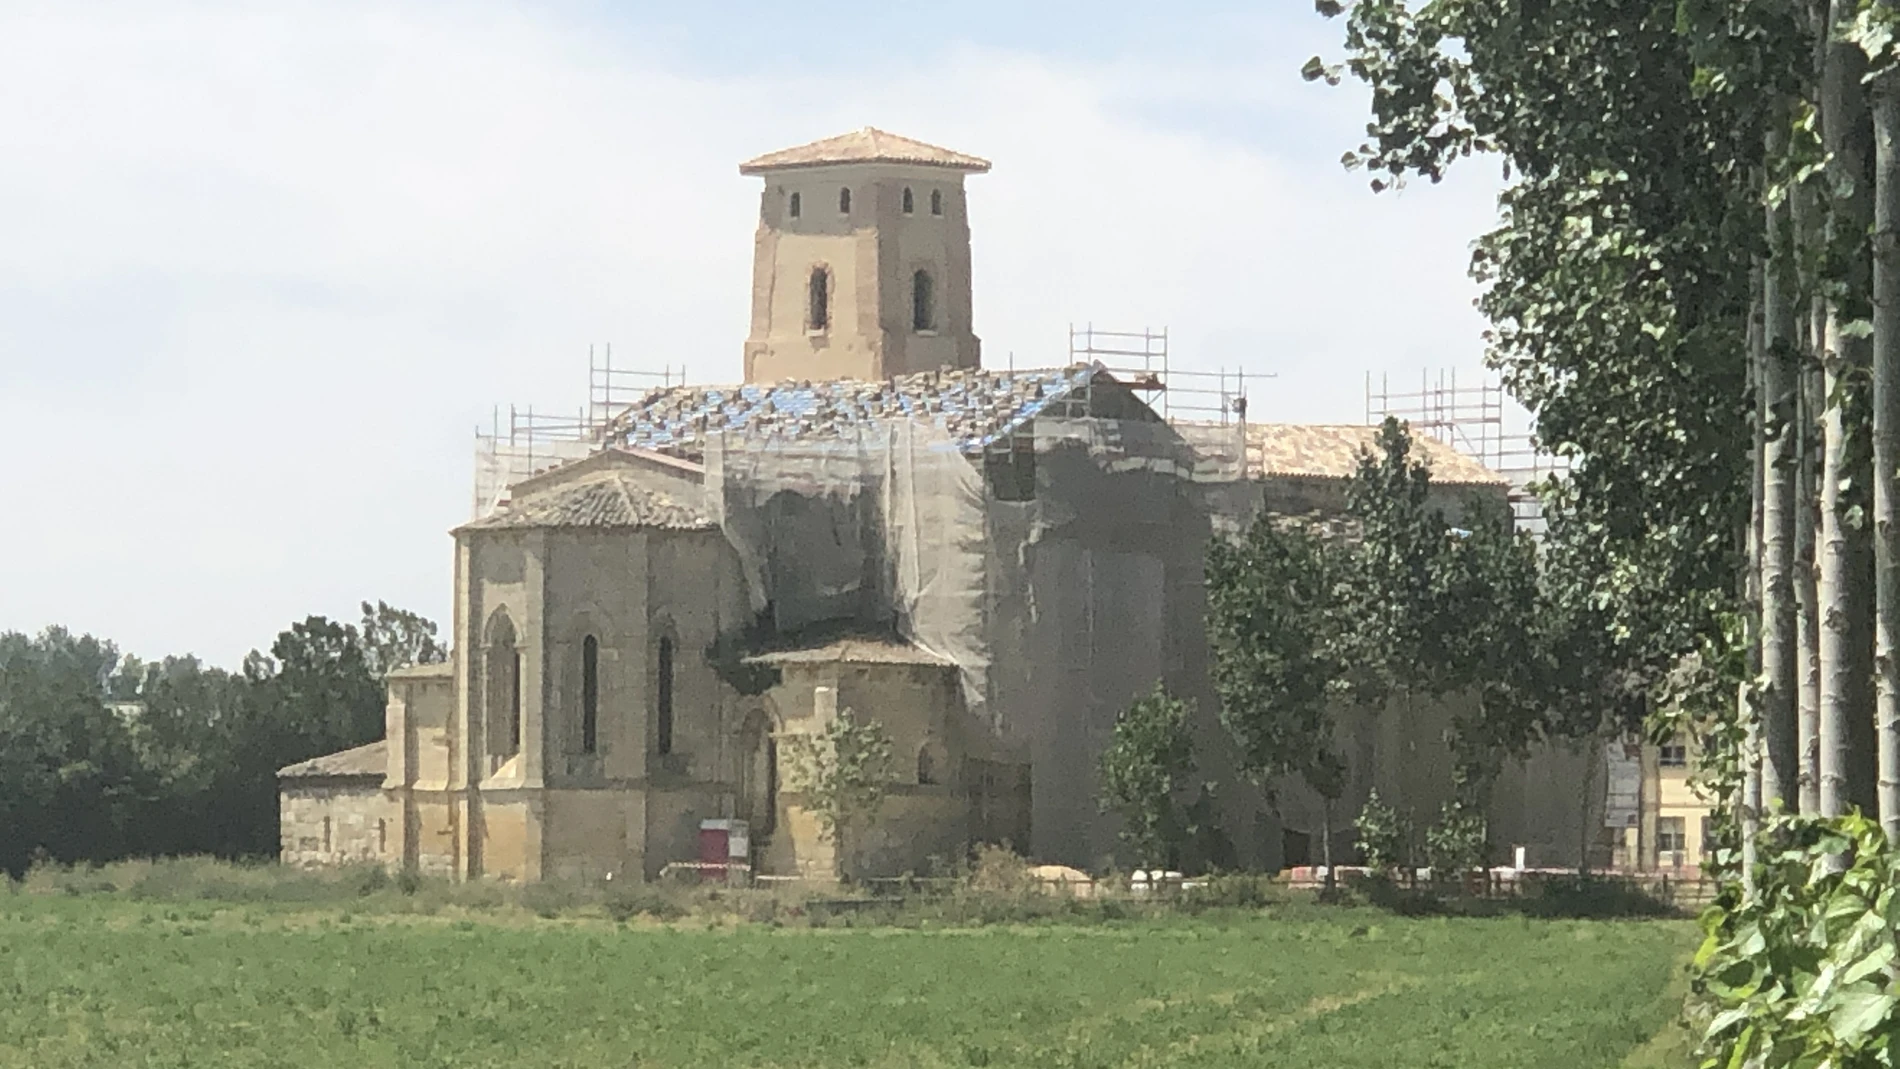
x=278, y=972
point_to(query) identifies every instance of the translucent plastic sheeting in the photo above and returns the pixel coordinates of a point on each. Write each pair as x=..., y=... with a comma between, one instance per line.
x=881, y=525
x=500, y=464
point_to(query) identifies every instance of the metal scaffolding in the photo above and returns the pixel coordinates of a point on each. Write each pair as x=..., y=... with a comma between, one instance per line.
x=1139, y=359
x=526, y=441
x=1470, y=419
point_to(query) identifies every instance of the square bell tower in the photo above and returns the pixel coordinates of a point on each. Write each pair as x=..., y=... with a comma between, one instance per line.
x=861, y=266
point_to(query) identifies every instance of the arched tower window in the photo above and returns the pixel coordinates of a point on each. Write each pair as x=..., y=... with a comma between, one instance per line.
x=792, y=206
x=926, y=765
x=820, y=299
x=663, y=698
x=501, y=667
x=936, y=202
x=910, y=202
x=590, y=694
x=922, y=302
x=844, y=201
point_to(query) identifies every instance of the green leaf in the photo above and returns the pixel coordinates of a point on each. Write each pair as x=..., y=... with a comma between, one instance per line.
x=1858, y=1011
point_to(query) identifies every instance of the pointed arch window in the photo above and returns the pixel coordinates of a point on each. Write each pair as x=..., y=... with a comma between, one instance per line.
x=936, y=202
x=910, y=202
x=501, y=665
x=923, y=310
x=663, y=699
x=844, y=201
x=590, y=694
x=792, y=206
x=820, y=299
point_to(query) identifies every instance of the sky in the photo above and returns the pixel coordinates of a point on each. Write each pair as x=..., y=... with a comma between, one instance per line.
x=264, y=268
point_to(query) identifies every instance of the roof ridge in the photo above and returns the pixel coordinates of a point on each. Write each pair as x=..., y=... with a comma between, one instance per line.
x=867, y=144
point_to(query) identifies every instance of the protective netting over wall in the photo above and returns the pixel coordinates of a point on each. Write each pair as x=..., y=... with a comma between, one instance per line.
x=879, y=526
x=1194, y=452
x=891, y=525
x=499, y=464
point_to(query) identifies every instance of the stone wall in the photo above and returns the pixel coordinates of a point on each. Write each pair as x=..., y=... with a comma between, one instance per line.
x=337, y=822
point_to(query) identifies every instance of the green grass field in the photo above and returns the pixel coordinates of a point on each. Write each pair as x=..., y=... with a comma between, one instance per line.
x=99, y=980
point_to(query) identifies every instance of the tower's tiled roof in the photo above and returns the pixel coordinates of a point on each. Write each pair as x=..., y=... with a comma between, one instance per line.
x=973, y=407
x=869, y=145
x=611, y=499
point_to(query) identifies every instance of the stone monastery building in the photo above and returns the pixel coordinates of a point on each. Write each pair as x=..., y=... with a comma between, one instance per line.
x=992, y=564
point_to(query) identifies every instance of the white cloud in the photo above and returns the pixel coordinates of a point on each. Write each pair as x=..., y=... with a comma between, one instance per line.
x=263, y=272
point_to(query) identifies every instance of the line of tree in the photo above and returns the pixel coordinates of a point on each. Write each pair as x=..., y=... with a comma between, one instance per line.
x=1398, y=606
x=105, y=756
x=1694, y=284
x=1387, y=605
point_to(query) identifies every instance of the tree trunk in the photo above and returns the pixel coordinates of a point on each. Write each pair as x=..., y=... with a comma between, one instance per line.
x=1809, y=227
x=1842, y=545
x=1886, y=419
x=1807, y=600
x=1776, y=422
x=1326, y=838
x=1748, y=707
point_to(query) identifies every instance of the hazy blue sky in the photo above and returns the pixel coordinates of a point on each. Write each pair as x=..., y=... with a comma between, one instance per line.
x=264, y=267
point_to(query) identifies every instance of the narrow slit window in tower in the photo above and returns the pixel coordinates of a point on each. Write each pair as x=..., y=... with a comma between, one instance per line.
x=792, y=206
x=936, y=202
x=820, y=298
x=844, y=201
x=922, y=310
x=590, y=694
x=663, y=698
x=910, y=202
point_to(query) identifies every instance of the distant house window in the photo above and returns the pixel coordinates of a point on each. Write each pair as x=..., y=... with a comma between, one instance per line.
x=590, y=694
x=792, y=206
x=926, y=765
x=936, y=202
x=663, y=698
x=820, y=299
x=1671, y=836
x=382, y=835
x=1673, y=755
x=922, y=302
x=326, y=835
x=910, y=202
x=844, y=201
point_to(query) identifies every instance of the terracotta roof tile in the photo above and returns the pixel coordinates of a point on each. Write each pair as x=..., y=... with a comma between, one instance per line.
x=1332, y=452
x=853, y=651
x=869, y=145
x=371, y=759
x=608, y=500
x=973, y=407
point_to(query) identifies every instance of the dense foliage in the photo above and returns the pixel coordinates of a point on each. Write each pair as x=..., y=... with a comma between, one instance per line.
x=1145, y=774
x=1801, y=970
x=1616, y=286
x=105, y=756
x=1398, y=604
x=1695, y=287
